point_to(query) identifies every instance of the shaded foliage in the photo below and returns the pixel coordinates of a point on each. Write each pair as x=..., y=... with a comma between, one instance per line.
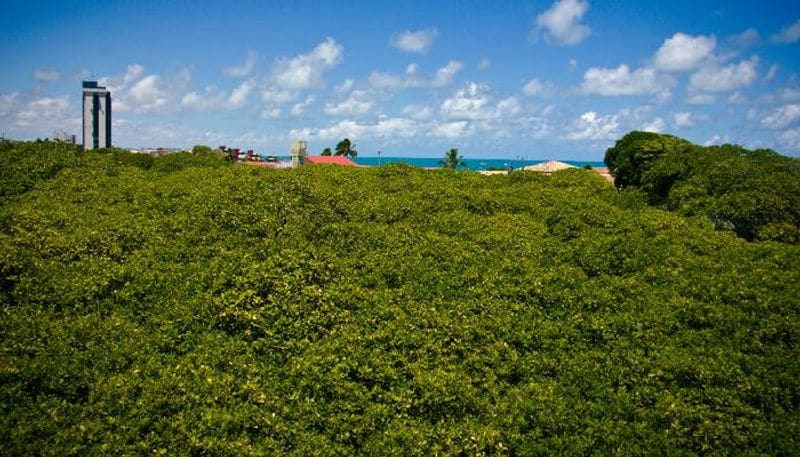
x=755, y=194
x=230, y=310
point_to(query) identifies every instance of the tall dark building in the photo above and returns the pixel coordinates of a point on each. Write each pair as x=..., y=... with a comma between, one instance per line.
x=96, y=116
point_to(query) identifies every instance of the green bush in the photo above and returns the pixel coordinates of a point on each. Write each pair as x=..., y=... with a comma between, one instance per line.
x=183, y=309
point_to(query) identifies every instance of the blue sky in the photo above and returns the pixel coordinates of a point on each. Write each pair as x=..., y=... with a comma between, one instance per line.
x=500, y=79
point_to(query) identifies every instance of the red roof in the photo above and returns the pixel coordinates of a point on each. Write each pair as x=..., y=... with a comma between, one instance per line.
x=335, y=160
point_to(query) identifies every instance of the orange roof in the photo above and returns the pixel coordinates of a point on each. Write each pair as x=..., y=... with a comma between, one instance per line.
x=335, y=160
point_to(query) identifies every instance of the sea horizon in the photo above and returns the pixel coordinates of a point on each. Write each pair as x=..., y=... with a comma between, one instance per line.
x=470, y=163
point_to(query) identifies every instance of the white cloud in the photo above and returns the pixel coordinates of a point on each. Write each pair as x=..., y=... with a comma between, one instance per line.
x=270, y=113
x=210, y=98
x=508, y=107
x=749, y=37
x=684, y=52
x=621, y=81
x=306, y=70
x=788, y=34
x=657, y=125
x=788, y=94
x=147, y=94
x=240, y=94
x=419, y=112
x=684, y=119
x=454, y=129
x=46, y=75
x=244, y=69
x=782, y=117
x=773, y=70
x=385, y=128
x=273, y=95
x=696, y=98
x=484, y=64
x=345, y=86
x=446, y=74
x=561, y=22
x=591, y=126
x=737, y=98
x=790, y=138
x=8, y=102
x=716, y=140
x=49, y=111
x=733, y=76
x=443, y=77
x=470, y=102
x=300, y=108
x=536, y=87
x=414, y=41
x=355, y=104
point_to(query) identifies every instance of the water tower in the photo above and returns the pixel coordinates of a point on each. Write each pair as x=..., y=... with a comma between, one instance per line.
x=299, y=152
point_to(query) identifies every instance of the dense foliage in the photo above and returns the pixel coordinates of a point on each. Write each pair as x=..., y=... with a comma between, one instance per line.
x=755, y=193
x=194, y=306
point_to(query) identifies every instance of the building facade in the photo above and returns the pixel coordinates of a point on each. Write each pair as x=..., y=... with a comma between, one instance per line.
x=96, y=116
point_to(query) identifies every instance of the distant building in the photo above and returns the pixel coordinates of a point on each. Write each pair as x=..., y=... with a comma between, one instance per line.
x=331, y=160
x=96, y=116
x=299, y=150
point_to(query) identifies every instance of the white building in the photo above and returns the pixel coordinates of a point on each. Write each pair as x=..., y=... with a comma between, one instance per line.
x=96, y=116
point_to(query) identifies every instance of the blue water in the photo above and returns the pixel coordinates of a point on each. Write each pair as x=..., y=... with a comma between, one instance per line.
x=472, y=164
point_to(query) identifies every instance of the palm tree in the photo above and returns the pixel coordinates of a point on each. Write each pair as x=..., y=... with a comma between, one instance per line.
x=344, y=148
x=452, y=159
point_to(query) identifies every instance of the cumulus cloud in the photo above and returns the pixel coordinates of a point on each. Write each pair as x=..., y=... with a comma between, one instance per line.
x=684, y=52
x=686, y=119
x=8, y=102
x=561, y=23
x=412, y=78
x=384, y=128
x=773, y=70
x=455, y=129
x=147, y=93
x=657, y=125
x=209, y=98
x=470, y=102
x=419, y=112
x=749, y=37
x=50, y=111
x=244, y=69
x=781, y=117
x=414, y=41
x=536, y=87
x=47, y=76
x=239, y=95
x=307, y=70
x=697, y=98
x=345, y=86
x=623, y=81
x=788, y=34
x=300, y=108
x=355, y=104
x=790, y=138
x=135, y=92
x=592, y=126
x=475, y=102
x=733, y=76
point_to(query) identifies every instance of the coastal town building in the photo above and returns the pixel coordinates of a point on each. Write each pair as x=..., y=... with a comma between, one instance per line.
x=96, y=116
x=331, y=160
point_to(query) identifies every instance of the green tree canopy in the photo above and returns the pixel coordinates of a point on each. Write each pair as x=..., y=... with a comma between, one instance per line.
x=634, y=153
x=452, y=159
x=345, y=148
x=326, y=152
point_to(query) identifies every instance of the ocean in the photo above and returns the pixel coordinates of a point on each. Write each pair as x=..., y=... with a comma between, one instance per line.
x=472, y=164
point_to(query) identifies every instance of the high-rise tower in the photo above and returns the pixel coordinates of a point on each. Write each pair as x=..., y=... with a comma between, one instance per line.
x=96, y=116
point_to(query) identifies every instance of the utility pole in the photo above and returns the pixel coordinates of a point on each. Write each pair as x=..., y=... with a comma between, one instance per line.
x=379, y=157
